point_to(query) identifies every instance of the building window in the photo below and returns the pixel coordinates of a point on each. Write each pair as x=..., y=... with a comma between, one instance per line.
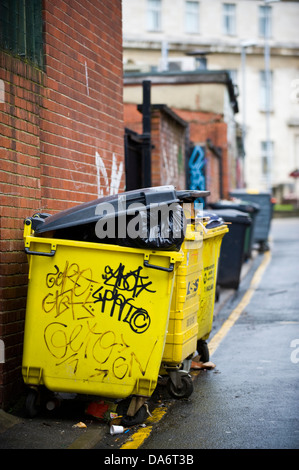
x=154, y=15
x=21, y=29
x=265, y=21
x=229, y=19
x=191, y=17
x=264, y=157
x=266, y=98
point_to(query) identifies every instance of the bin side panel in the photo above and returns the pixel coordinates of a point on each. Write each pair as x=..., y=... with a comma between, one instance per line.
x=232, y=256
x=96, y=321
x=211, y=251
x=181, y=339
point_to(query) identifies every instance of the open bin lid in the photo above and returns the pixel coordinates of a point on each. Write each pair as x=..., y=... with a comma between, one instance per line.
x=189, y=195
x=86, y=213
x=234, y=216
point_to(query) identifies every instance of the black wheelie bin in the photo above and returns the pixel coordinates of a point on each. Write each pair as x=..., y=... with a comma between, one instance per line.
x=251, y=209
x=264, y=216
x=232, y=249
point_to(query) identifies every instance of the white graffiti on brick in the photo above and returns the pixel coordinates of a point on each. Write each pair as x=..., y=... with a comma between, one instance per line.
x=2, y=91
x=169, y=162
x=105, y=188
x=2, y=352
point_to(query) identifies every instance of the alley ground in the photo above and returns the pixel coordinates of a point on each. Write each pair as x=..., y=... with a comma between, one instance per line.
x=250, y=399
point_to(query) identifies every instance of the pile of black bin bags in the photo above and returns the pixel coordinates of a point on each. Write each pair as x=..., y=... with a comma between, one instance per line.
x=79, y=222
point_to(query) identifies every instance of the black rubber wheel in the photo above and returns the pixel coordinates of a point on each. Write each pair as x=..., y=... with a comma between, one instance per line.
x=203, y=350
x=182, y=392
x=32, y=403
x=138, y=417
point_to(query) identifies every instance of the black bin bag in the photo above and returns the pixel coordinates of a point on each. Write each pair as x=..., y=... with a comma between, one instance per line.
x=151, y=218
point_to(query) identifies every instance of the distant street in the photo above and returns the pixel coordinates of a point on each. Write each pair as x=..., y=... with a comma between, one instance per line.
x=250, y=400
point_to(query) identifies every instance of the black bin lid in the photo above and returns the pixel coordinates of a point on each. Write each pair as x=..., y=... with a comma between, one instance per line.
x=234, y=216
x=86, y=213
x=241, y=205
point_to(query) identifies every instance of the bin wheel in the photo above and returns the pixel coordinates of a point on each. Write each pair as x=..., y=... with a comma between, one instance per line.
x=203, y=350
x=32, y=403
x=180, y=392
x=138, y=418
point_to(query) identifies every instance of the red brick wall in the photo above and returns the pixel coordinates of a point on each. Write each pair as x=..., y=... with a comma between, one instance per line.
x=169, y=140
x=168, y=154
x=61, y=132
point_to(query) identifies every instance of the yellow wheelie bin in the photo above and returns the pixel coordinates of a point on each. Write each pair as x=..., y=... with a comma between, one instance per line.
x=96, y=317
x=213, y=233
x=181, y=339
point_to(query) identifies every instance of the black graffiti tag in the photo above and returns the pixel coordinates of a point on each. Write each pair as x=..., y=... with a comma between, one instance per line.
x=132, y=282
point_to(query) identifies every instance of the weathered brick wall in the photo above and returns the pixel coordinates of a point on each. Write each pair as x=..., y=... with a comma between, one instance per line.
x=168, y=136
x=82, y=129
x=61, y=131
x=168, y=154
x=20, y=179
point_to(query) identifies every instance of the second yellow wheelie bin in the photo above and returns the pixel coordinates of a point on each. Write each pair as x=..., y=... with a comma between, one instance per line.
x=181, y=339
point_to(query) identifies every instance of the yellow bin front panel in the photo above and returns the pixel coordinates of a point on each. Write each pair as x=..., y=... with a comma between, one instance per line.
x=181, y=339
x=96, y=317
x=211, y=251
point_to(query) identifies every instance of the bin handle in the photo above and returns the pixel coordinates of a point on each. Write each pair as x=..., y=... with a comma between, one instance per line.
x=40, y=253
x=161, y=268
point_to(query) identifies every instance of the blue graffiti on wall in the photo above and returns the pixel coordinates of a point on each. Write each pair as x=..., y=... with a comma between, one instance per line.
x=197, y=162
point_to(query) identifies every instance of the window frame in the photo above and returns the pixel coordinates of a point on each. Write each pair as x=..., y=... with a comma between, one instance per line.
x=154, y=15
x=265, y=13
x=21, y=27
x=188, y=13
x=264, y=157
x=229, y=20
x=263, y=104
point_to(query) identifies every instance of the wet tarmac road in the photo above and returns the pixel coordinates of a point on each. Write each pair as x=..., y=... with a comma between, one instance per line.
x=250, y=400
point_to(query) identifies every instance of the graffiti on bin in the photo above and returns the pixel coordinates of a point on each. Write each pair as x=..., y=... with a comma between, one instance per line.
x=76, y=294
x=76, y=302
x=108, y=351
x=110, y=297
x=208, y=278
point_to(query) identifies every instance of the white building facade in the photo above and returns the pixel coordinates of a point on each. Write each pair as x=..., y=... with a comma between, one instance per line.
x=257, y=42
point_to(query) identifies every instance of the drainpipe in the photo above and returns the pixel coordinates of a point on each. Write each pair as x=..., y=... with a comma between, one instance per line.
x=146, y=136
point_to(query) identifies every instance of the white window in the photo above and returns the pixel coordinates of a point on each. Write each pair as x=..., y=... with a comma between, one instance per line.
x=229, y=18
x=266, y=99
x=266, y=164
x=265, y=22
x=191, y=17
x=154, y=15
